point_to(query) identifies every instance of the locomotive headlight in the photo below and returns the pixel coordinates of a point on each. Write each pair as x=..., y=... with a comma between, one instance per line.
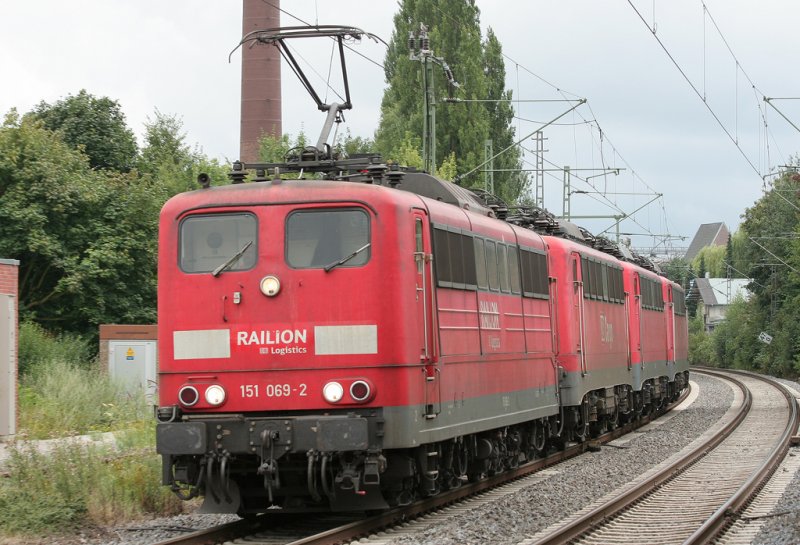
x=360, y=390
x=215, y=395
x=188, y=396
x=270, y=286
x=332, y=392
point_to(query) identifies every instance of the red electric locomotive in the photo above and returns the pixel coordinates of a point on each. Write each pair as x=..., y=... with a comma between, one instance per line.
x=355, y=343
x=371, y=335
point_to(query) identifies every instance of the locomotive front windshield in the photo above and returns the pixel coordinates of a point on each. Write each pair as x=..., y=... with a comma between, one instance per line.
x=209, y=242
x=316, y=239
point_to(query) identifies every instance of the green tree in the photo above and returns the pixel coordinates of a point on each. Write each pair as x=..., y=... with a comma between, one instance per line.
x=701, y=347
x=96, y=125
x=448, y=169
x=712, y=260
x=767, y=248
x=164, y=143
x=169, y=162
x=730, y=272
x=86, y=238
x=510, y=185
x=701, y=265
x=768, y=225
x=677, y=269
x=462, y=128
x=736, y=338
x=351, y=145
x=407, y=153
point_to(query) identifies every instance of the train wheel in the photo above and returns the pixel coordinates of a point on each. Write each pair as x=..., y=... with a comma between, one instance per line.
x=580, y=417
x=613, y=418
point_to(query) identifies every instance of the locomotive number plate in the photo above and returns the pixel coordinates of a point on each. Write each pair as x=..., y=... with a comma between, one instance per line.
x=273, y=390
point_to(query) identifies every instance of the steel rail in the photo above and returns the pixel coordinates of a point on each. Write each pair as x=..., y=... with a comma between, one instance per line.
x=587, y=521
x=219, y=534
x=723, y=516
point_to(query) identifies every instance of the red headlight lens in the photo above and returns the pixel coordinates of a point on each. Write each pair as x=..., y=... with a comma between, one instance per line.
x=188, y=396
x=360, y=390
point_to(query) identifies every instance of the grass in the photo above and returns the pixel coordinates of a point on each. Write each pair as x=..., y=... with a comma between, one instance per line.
x=77, y=483
x=59, y=399
x=37, y=346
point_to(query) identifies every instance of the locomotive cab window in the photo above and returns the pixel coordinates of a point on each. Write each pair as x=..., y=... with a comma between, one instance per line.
x=316, y=239
x=210, y=241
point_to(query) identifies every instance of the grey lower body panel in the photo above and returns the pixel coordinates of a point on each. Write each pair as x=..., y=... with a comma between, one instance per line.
x=409, y=426
x=575, y=385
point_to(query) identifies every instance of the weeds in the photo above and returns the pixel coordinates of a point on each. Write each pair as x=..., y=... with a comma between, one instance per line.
x=59, y=486
x=37, y=346
x=60, y=399
x=74, y=483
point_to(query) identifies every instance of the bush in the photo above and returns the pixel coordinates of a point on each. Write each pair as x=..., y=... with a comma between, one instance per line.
x=37, y=346
x=701, y=344
x=75, y=484
x=59, y=399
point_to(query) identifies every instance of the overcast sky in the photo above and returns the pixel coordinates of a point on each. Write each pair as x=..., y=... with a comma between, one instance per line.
x=173, y=56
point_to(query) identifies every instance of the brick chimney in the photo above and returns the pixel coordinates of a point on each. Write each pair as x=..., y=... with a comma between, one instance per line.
x=261, y=79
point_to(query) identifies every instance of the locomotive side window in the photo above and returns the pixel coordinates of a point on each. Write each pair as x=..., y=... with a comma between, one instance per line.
x=441, y=257
x=597, y=279
x=210, y=241
x=470, y=274
x=318, y=238
x=534, y=274
x=680, y=302
x=603, y=281
x=480, y=263
x=586, y=277
x=513, y=270
x=615, y=285
x=652, y=298
x=491, y=265
x=502, y=269
x=540, y=281
x=454, y=257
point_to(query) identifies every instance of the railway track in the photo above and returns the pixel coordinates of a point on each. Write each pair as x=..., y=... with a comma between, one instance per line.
x=287, y=529
x=693, y=499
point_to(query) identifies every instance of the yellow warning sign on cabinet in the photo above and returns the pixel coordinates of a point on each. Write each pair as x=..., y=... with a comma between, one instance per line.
x=130, y=354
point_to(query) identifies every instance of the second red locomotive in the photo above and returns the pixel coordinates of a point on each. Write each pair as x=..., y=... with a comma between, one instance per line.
x=358, y=341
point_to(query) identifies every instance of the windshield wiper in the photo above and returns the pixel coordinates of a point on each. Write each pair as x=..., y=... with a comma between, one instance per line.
x=344, y=260
x=233, y=259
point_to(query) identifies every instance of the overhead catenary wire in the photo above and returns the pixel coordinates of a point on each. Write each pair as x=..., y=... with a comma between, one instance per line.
x=593, y=121
x=518, y=142
x=296, y=18
x=739, y=68
x=700, y=95
x=561, y=91
x=612, y=205
x=601, y=140
x=603, y=136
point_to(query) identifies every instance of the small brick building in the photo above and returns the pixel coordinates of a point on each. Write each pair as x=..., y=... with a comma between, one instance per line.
x=9, y=333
